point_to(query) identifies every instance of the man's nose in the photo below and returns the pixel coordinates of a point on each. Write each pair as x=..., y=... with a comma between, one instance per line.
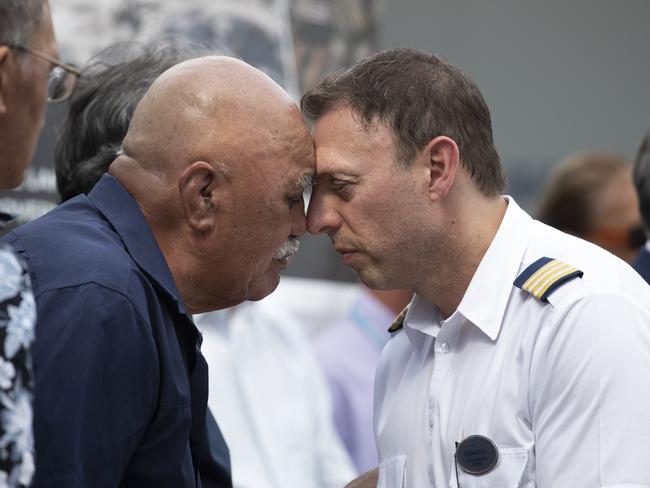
x=321, y=217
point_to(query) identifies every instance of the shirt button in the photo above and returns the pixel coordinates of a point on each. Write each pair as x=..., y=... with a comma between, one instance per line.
x=444, y=348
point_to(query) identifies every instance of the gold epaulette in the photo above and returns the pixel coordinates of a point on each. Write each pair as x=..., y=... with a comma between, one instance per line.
x=398, y=323
x=544, y=276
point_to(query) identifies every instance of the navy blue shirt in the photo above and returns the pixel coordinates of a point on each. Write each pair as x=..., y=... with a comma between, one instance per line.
x=121, y=385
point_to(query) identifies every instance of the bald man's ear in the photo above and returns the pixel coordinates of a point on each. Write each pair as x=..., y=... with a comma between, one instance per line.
x=442, y=159
x=4, y=77
x=199, y=187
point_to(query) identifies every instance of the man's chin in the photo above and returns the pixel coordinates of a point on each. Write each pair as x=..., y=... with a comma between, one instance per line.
x=372, y=280
x=263, y=287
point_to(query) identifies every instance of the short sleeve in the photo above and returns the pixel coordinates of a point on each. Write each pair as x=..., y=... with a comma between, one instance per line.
x=591, y=396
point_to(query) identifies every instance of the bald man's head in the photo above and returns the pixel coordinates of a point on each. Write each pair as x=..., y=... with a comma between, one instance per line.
x=199, y=103
x=217, y=155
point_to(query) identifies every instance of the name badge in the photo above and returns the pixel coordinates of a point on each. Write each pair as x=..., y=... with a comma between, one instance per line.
x=477, y=455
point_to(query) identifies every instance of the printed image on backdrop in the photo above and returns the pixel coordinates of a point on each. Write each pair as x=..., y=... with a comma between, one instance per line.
x=295, y=42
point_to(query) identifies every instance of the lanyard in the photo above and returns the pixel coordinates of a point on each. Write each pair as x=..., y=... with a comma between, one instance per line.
x=369, y=331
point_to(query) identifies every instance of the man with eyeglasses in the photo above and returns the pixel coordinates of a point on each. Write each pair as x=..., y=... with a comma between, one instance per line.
x=30, y=76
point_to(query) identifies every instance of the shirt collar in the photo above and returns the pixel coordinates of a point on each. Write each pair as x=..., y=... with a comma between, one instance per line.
x=484, y=303
x=485, y=300
x=122, y=211
x=422, y=319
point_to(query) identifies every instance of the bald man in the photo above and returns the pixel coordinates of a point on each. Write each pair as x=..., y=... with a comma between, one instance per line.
x=201, y=210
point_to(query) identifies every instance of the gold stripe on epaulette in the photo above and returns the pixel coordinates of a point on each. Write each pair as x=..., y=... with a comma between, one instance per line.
x=543, y=275
x=398, y=323
x=546, y=276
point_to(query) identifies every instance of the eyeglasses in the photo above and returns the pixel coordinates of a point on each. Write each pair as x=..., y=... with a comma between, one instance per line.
x=61, y=79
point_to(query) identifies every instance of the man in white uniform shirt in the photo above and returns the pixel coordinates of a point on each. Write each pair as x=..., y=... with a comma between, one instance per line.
x=523, y=359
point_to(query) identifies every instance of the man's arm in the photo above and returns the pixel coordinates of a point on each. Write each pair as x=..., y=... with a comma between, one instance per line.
x=97, y=374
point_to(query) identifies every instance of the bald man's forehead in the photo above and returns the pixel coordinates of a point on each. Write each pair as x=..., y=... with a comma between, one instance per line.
x=222, y=75
x=193, y=93
x=220, y=108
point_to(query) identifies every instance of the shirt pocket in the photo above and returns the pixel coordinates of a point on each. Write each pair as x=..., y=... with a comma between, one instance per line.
x=392, y=473
x=508, y=473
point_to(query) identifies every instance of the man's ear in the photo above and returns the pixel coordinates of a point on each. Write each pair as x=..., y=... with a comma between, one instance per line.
x=442, y=158
x=5, y=52
x=199, y=186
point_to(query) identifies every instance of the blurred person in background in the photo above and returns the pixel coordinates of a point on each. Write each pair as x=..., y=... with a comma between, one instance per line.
x=271, y=400
x=516, y=362
x=121, y=383
x=264, y=386
x=348, y=351
x=642, y=183
x=592, y=196
x=30, y=76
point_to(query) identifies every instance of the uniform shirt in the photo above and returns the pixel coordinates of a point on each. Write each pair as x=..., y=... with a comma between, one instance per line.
x=121, y=386
x=17, y=319
x=562, y=388
x=270, y=400
x=348, y=351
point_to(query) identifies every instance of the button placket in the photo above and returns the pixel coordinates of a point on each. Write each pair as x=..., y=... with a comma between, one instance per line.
x=442, y=358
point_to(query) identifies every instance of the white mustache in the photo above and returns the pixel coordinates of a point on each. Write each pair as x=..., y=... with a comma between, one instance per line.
x=288, y=248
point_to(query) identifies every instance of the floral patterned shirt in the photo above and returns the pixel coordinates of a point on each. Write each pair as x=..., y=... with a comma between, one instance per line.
x=17, y=320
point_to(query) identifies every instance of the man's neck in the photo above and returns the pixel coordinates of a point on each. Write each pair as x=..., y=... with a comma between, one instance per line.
x=455, y=264
x=394, y=300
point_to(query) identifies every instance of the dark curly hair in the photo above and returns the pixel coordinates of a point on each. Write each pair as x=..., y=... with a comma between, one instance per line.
x=101, y=108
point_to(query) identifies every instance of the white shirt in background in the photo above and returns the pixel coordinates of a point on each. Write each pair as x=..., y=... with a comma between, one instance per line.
x=271, y=401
